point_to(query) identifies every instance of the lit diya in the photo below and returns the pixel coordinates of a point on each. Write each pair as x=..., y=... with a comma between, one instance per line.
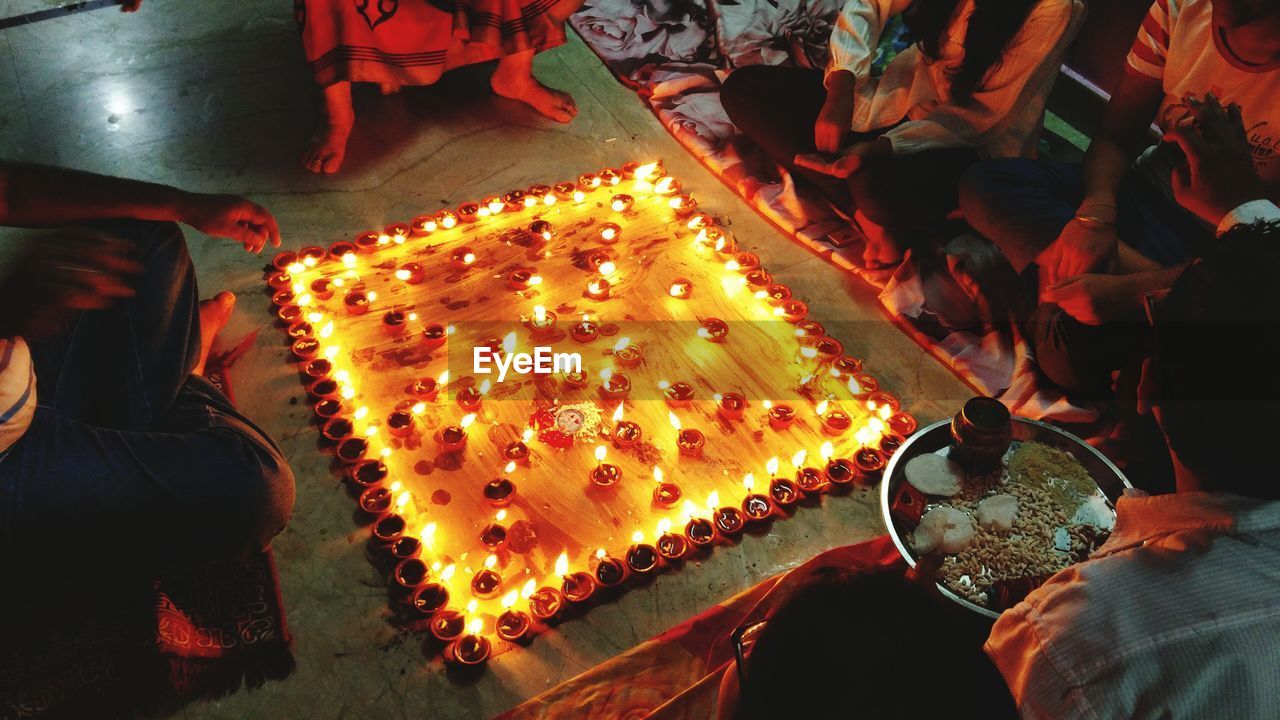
x=280, y=280
x=902, y=423
x=610, y=571
x=447, y=624
x=615, y=387
x=325, y=388
x=352, y=449
x=284, y=259
x=321, y=288
x=305, y=348
x=368, y=473
x=545, y=603
x=375, y=500
x=356, y=302
x=405, y=547
x=870, y=463
x=759, y=278
x=487, y=582
x=598, y=289
x=493, y=535
x=578, y=587
x=625, y=433
x=604, y=474
x=446, y=219
x=777, y=294
x=671, y=546
x=665, y=494
x=834, y=421
x=425, y=388
x=610, y=177
x=840, y=472
x=328, y=407
x=755, y=507
x=688, y=440
x=523, y=279
x=541, y=322
x=367, y=242
x=677, y=395
x=434, y=335
x=388, y=528
x=681, y=288
x=410, y=573
x=311, y=255
x=745, y=262
x=626, y=354
x=317, y=368
x=393, y=322
x=499, y=492
x=429, y=598
x=469, y=212
x=667, y=186
x=516, y=451
x=454, y=437
x=495, y=204
x=781, y=416
x=512, y=625
x=542, y=229
x=412, y=273
x=731, y=405
x=610, y=233
x=289, y=314
x=784, y=492
x=423, y=225
x=828, y=349
x=729, y=520
x=462, y=258
x=588, y=181
x=698, y=221
x=642, y=558
x=337, y=429
x=584, y=331
x=400, y=423
x=283, y=298
x=713, y=329
x=622, y=202
x=514, y=200
x=793, y=311
x=700, y=531
x=577, y=379
x=890, y=443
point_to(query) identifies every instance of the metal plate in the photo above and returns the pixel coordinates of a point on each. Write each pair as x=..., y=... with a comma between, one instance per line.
x=934, y=437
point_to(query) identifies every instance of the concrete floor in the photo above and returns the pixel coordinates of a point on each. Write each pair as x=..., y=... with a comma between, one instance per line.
x=216, y=97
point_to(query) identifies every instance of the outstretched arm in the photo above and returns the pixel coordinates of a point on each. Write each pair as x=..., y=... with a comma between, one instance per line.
x=41, y=196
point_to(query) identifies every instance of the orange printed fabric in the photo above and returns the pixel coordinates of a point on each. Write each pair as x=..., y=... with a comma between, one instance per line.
x=413, y=42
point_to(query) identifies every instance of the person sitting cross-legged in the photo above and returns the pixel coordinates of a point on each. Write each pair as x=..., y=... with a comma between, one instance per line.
x=113, y=447
x=1090, y=241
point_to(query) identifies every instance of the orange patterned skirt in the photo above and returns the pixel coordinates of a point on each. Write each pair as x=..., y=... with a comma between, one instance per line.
x=412, y=42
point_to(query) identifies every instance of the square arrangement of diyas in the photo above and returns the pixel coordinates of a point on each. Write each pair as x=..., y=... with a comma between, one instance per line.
x=547, y=396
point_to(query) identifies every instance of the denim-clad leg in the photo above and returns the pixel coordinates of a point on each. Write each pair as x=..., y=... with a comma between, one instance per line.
x=131, y=464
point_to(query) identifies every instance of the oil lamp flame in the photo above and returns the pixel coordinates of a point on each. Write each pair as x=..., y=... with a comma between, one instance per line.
x=509, y=343
x=528, y=588
x=607, y=267
x=539, y=314
x=772, y=466
x=562, y=564
x=664, y=526
x=657, y=474
x=600, y=553
x=511, y=466
x=821, y=408
x=509, y=599
x=622, y=343
x=467, y=420
x=797, y=460
x=749, y=481
x=675, y=421
x=617, y=414
x=713, y=500
x=485, y=387
x=601, y=451
x=827, y=450
x=491, y=561
x=448, y=572
x=637, y=536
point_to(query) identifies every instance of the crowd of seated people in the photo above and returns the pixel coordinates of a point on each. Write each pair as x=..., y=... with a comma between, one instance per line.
x=1152, y=261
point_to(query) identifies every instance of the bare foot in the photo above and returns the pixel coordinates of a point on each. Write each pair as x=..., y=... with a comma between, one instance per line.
x=555, y=104
x=214, y=314
x=329, y=144
x=328, y=147
x=882, y=251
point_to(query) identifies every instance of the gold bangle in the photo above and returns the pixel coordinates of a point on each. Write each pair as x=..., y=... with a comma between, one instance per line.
x=1091, y=220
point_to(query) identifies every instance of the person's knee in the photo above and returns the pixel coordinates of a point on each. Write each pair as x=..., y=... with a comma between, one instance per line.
x=1066, y=352
x=258, y=495
x=878, y=193
x=739, y=91
x=985, y=189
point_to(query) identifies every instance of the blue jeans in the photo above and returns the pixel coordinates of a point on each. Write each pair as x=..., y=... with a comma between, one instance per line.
x=1022, y=206
x=131, y=464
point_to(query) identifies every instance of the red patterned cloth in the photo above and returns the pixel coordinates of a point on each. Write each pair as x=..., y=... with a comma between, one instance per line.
x=413, y=42
x=109, y=651
x=677, y=674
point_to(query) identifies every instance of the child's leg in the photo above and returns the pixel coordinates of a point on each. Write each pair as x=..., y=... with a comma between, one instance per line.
x=514, y=79
x=329, y=144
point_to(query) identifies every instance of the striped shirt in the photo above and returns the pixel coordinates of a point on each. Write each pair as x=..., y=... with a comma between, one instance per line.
x=1175, y=616
x=1178, y=46
x=1003, y=118
x=17, y=391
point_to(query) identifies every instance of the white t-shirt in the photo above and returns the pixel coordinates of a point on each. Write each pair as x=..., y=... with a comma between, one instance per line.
x=1177, y=45
x=17, y=391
